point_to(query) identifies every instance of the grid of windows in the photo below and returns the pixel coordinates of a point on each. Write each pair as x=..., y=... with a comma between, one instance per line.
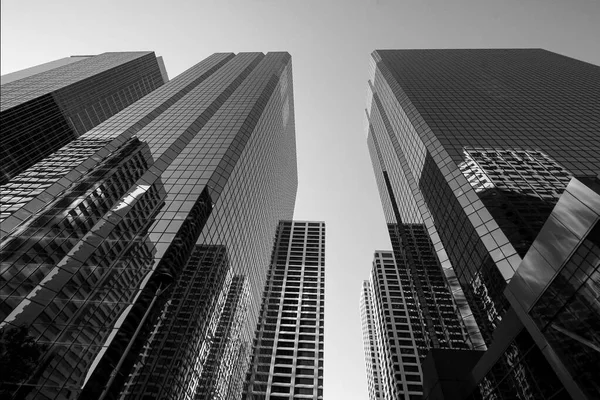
x=397, y=373
x=433, y=313
x=287, y=360
x=400, y=198
x=519, y=188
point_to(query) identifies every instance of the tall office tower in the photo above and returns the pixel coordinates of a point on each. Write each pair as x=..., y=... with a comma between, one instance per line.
x=476, y=147
x=103, y=263
x=287, y=359
x=371, y=342
x=47, y=106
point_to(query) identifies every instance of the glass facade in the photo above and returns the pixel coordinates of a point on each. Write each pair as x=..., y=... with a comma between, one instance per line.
x=521, y=372
x=556, y=290
x=108, y=241
x=193, y=349
x=287, y=353
x=429, y=281
x=568, y=313
x=478, y=145
x=41, y=111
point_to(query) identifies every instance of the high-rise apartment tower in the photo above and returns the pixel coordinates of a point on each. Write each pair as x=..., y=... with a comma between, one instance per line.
x=287, y=359
x=141, y=252
x=475, y=147
x=396, y=372
x=371, y=342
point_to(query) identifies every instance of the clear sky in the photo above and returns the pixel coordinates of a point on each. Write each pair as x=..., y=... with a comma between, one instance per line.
x=330, y=42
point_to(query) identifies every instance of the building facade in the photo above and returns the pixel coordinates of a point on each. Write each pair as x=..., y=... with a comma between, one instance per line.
x=398, y=329
x=476, y=147
x=287, y=352
x=371, y=342
x=105, y=252
x=398, y=372
x=45, y=107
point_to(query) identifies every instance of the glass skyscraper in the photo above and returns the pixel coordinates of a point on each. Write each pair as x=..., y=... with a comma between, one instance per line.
x=475, y=149
x=45, y=107
x=109, y=242
x=287, y=352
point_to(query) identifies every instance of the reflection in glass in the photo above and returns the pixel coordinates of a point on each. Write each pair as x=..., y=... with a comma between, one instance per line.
x=70, y=272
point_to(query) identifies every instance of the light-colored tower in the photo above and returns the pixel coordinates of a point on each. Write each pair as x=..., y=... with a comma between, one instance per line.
x=371, y=342
x=287, y=360
x=398, y=364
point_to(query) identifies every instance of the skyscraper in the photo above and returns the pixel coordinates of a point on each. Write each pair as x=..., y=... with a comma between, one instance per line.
x=45, y=107
x=287, y=359
x=103, y=256
x=397, y=369
x=371, y=342
x=476, y=147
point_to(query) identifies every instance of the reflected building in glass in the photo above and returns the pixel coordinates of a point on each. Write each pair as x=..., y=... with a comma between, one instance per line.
x=162, y=212
x=476, y=147
x=194, y=348
x=287, y=352
x=47, y=106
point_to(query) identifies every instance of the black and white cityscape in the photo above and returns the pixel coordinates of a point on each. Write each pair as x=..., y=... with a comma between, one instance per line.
x=163, y=229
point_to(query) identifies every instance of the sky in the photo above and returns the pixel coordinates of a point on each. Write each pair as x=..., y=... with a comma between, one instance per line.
x=330, y=43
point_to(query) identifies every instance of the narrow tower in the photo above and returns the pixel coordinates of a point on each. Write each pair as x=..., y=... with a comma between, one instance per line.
x=287, y=359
